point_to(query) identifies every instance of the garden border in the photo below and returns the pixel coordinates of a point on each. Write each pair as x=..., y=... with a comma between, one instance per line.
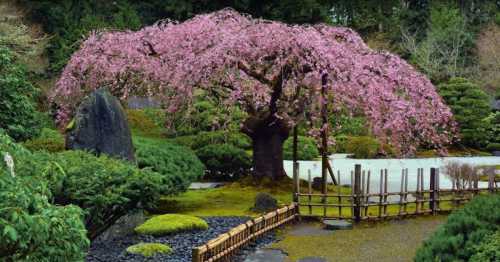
x=226, y=245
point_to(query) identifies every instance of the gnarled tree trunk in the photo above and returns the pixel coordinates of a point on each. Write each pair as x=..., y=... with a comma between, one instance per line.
x=268, y=135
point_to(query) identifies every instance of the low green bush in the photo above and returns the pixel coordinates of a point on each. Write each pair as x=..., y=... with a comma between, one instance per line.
x=460, y=239
x=171, y=223
x=307, y=148
x=493, y=147
x=142, y=123
x=31, y=228
x=178, y=165
x=224, y=161
x=49, y=140
x=202, y=139
x=488, y=249
x=362, y=146
x=149, y=249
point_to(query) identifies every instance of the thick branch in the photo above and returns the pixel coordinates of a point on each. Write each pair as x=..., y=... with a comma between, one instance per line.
x=258, y=76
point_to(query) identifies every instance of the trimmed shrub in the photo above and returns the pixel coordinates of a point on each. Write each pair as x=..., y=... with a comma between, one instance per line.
x=49, y=140
x=224, y=161
x=465, y=229
x=18, y=116
x=171, y=223
x=104, y=187
x=31, y=228
x=493, y=147
x=141, y=123
x=149, y=249
x=178, y=165
x=202, y=139
x=362, y=146
x=488, y=249
x=307, y=149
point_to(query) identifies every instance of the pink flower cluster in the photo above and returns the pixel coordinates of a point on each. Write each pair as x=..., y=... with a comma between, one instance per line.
x=243, y=60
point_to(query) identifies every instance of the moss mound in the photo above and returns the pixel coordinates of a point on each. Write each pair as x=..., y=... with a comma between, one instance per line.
x=149, y=249
x=171, y=223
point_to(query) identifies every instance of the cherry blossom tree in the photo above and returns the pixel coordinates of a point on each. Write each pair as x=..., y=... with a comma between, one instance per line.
x=279, y=74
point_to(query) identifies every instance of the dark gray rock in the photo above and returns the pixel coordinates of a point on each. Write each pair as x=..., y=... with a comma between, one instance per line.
x=124, y=226
x=317, y=183
x=265, y=202
x=100, y=125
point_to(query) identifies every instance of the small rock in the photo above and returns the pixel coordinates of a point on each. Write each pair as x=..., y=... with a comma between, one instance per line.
x=317, y=183
x=265, y=202
x=332, y=224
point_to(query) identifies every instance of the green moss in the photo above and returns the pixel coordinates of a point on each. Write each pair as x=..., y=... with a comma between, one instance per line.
x=142, y=123
x=387, y=241
x=149, y=249
x=49, y=140
x=171, y=223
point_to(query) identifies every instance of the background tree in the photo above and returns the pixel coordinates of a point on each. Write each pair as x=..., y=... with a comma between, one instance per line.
x=470, y=106
x=274, y=72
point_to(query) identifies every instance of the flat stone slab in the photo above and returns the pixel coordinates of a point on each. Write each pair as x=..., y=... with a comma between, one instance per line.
x=332, y=224
x=266, y=255
x=205, y=185
x=309, y=229
x=312, y=259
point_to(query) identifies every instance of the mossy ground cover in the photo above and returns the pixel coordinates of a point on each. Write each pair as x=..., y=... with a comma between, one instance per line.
x=394, y=240
x=171, y=223
x=149, y=249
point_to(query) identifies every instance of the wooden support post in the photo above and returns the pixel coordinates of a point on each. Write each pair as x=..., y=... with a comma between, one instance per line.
x=385, y=192
x=367, y=198
x=433, y=191
x=357, y=193
x=309, y=188
x=296, y=181
x=405, y=207
x=330, y=171
x=491, y=182
x=380, y=193
x=339, y=187
x=324, y=135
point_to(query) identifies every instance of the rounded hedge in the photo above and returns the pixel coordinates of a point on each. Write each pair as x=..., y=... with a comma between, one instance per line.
x=177, y=164
x=462, y=236
x=224, y=161
x=49, y=140
x=307, y=149
x=149, y=249
x=171, y=223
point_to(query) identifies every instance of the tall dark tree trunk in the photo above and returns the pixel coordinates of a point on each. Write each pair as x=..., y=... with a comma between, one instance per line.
x=268, y=135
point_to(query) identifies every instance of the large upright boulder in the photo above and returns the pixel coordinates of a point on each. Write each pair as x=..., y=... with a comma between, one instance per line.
x=101, y=126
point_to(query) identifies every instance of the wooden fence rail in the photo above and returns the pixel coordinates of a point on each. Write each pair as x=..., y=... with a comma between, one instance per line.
x=223, y=247
x=362, y=204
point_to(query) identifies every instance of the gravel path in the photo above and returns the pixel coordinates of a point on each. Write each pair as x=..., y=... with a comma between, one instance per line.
x=181, y=243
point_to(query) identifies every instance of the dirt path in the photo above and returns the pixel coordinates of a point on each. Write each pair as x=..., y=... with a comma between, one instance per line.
x=396, y=240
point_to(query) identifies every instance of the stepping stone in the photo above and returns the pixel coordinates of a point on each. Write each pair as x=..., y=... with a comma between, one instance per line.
x=266, y=255
x=203, y=185
x=333, y=224
x=312, y=259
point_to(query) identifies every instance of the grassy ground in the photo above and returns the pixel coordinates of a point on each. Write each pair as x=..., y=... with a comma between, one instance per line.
x=395, y=240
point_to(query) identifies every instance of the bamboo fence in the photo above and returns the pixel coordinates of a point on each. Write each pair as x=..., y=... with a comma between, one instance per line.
x=361, y=204
x=223, y=247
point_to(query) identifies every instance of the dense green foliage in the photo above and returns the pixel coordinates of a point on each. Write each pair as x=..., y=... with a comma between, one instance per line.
x=461, y=238
x=49, y=140
x=69, y=21
x=32, y=228
x=488, y=249
x=307, y=148
x=149, y=249
x=171, y=223
x=104, y=188
x=224, y=161
x=361, y=146
x=18, y=116
x=470, y=106
x=178, y=165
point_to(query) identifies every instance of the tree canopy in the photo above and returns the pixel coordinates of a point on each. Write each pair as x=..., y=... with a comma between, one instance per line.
x=272, y=70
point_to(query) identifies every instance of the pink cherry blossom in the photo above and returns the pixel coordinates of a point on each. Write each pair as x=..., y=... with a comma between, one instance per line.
x=242, y=59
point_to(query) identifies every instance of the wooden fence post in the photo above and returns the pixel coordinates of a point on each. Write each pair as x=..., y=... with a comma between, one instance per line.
x=196, y=255
x=296, y=181
x=357, y=193
x=433, y=189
